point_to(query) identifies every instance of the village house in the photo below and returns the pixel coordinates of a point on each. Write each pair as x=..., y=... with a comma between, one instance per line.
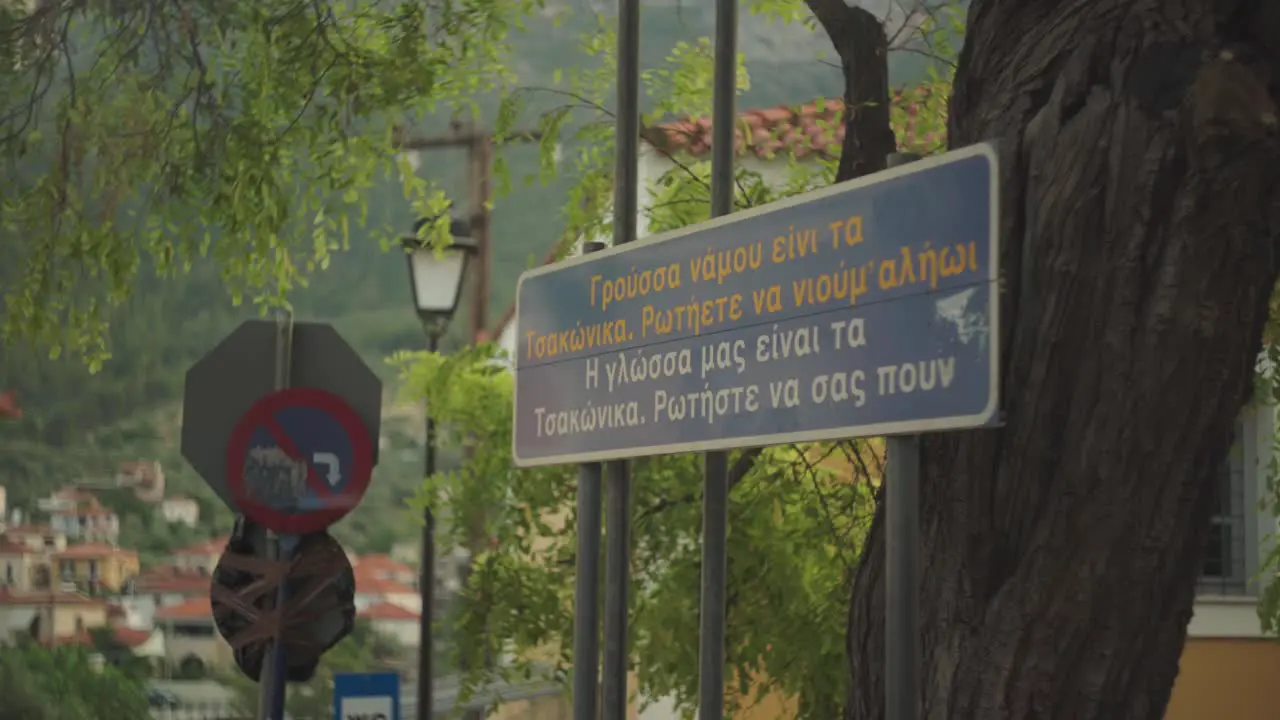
x=393, y=621
x=383, y=567
x=20, y=566
x=145, y=477
x=201, y=557
x=81, y=516
x=162, y=587
x=97, y=568
x=48, y=617
x=193, y=646
x=372, y=591
x=27, y=556
x=180, y=510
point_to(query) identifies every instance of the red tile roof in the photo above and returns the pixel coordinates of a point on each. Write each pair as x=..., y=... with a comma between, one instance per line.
x=171, y=581
x=94, y=550
x=368, y=585
x=11, y=547
x=815, y=127
x=379, y=565
x=214, y=546
x=130, y=637
x=387, y=611
x=9, y=405
x=194, y=609
x=45, y=597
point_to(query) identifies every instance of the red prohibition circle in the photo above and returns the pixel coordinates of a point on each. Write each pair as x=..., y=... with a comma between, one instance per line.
x=262, y=414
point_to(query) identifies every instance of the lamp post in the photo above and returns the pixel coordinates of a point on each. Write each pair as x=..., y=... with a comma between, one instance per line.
x=436, y=278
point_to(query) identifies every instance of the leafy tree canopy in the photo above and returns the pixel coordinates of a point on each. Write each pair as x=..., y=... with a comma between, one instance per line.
x=62, y=684
x=152, y=135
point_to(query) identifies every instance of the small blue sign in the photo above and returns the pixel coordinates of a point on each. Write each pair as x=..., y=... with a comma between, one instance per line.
x=867, y=308
x=366, y=696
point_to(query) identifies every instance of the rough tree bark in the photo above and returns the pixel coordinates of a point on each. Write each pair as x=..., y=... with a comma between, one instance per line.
x=1140, y=227
x=859, y=40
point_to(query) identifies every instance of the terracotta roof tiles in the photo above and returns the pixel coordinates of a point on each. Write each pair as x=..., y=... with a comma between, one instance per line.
x=813, y=128
x=9, y=405
x=46, y=597
x=131, y=638
x=94, y=550
x=214, y=546
x=171, y=581
x=369, y=585
x=194, y=609
x=387, y=611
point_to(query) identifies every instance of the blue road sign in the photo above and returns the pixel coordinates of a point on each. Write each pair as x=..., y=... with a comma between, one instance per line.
x=366, y=696
x=298, y=460
x=866, y=308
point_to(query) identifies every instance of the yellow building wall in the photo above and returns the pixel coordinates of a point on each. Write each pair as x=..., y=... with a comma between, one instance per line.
x=551, y=707
x=1227, y=679
x=72, y=618
x=113, y=570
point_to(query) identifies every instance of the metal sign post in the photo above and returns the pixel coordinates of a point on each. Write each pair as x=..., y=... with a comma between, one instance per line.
x=272, y=698
x=281, y=419
x=867, y=308
x=902, y=565
x=586, y=594
x=715, y=493
x=618, y=500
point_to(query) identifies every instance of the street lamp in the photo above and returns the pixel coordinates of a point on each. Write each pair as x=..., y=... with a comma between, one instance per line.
x=436, y=279
x=436, y=276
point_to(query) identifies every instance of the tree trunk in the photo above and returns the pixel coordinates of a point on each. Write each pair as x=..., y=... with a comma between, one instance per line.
x=1140, y=226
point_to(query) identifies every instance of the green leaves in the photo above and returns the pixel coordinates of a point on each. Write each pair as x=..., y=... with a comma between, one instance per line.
x=164, y=134
x=63, y=684
x=797, y=520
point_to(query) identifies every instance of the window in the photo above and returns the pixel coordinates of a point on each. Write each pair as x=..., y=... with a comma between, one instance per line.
x=1232, y=548
x=67, y=569
x=93, y=569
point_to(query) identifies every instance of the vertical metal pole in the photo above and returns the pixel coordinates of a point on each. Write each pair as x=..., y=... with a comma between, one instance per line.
x=902, y=563
x=618, y=499
x=586, y=617
x=481, y=169
x=617, y=578
x=715, y=493
x=272, y=678
x=427, y=564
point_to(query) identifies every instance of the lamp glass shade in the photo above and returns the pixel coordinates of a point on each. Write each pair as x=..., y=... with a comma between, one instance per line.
x=437, y=280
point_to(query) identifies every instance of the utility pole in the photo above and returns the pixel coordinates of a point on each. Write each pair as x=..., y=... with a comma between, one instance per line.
x=479, y=145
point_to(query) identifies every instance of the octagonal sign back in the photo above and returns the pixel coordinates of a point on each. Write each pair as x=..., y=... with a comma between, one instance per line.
x=240, y=371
